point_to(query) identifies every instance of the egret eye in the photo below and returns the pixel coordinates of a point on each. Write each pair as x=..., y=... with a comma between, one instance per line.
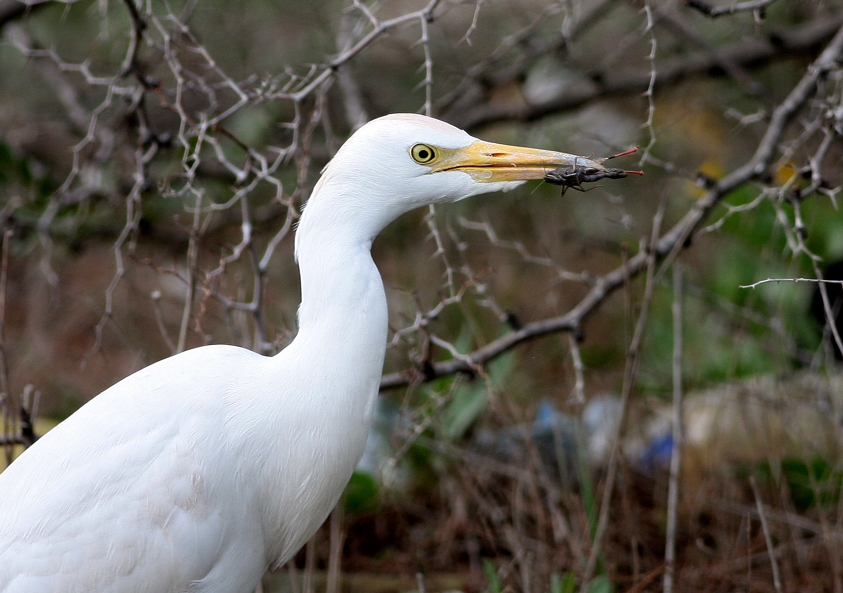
x=422, y=153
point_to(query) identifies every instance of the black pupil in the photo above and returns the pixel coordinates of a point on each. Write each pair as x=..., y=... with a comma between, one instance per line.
x=423, y=154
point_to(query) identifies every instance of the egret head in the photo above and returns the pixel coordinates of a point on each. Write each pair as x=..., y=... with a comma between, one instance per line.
x=399, y=162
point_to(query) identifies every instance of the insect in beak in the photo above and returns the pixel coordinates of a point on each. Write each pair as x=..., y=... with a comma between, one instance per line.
x=573, y=176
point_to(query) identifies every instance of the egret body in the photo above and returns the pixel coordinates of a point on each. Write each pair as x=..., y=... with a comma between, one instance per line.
x=202, y=470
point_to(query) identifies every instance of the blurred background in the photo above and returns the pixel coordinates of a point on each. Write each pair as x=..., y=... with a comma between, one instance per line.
x=154, y=158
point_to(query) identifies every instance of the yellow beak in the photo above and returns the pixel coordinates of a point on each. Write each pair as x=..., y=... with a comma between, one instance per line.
x=487, y=162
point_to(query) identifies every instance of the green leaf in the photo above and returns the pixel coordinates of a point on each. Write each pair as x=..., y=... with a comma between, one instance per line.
x=601, y=584
x=491, y=572
x=361, y=493
x=565, y=584
x=470, y=399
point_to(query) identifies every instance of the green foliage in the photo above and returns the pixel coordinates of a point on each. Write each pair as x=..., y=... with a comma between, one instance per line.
x=361, y=493
x=12, y=168
x=825, y=237
x=566, y=584
x=810, y=482
x=491, y=572
x=728, y=331
x=467, y=403
x=17, y=178
x=601, y=355
x=601, y=584
x=717, y=346
x=470, y=399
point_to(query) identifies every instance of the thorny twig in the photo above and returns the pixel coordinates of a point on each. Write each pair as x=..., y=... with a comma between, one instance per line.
x=678, y=237
x=777, y=280
x=232, y=192
x=619, y=82
x=716, y=11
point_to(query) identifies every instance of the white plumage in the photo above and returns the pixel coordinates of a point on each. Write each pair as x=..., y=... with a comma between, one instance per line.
x=202, y=470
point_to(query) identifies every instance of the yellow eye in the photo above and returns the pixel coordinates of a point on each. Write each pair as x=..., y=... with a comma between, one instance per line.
x=422, y=153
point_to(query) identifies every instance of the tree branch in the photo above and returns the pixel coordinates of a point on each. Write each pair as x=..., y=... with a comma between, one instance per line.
x=677, y=238
x=716, y=11
x=615, y=82
x=12, y=10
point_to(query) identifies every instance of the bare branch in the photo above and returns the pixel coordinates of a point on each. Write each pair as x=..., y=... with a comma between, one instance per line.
x=716, y=11
x=678, y=436
x=615, y=82
x=777, y=581
x=633, y=360
x=677, y=238
x=777, y=280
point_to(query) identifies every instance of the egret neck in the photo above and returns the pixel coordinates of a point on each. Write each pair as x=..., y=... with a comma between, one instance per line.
x=343, y=314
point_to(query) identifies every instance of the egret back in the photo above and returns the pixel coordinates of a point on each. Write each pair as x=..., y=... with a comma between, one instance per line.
x=193, y=474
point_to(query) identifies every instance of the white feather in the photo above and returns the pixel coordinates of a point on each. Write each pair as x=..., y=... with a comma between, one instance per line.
x=202, y=470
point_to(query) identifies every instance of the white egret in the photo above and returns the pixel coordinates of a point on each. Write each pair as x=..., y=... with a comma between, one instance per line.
x=202, y=470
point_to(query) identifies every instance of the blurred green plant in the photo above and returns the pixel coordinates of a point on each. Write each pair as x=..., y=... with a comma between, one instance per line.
x=495, y=583
x=362, y=494
x=810, y=482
